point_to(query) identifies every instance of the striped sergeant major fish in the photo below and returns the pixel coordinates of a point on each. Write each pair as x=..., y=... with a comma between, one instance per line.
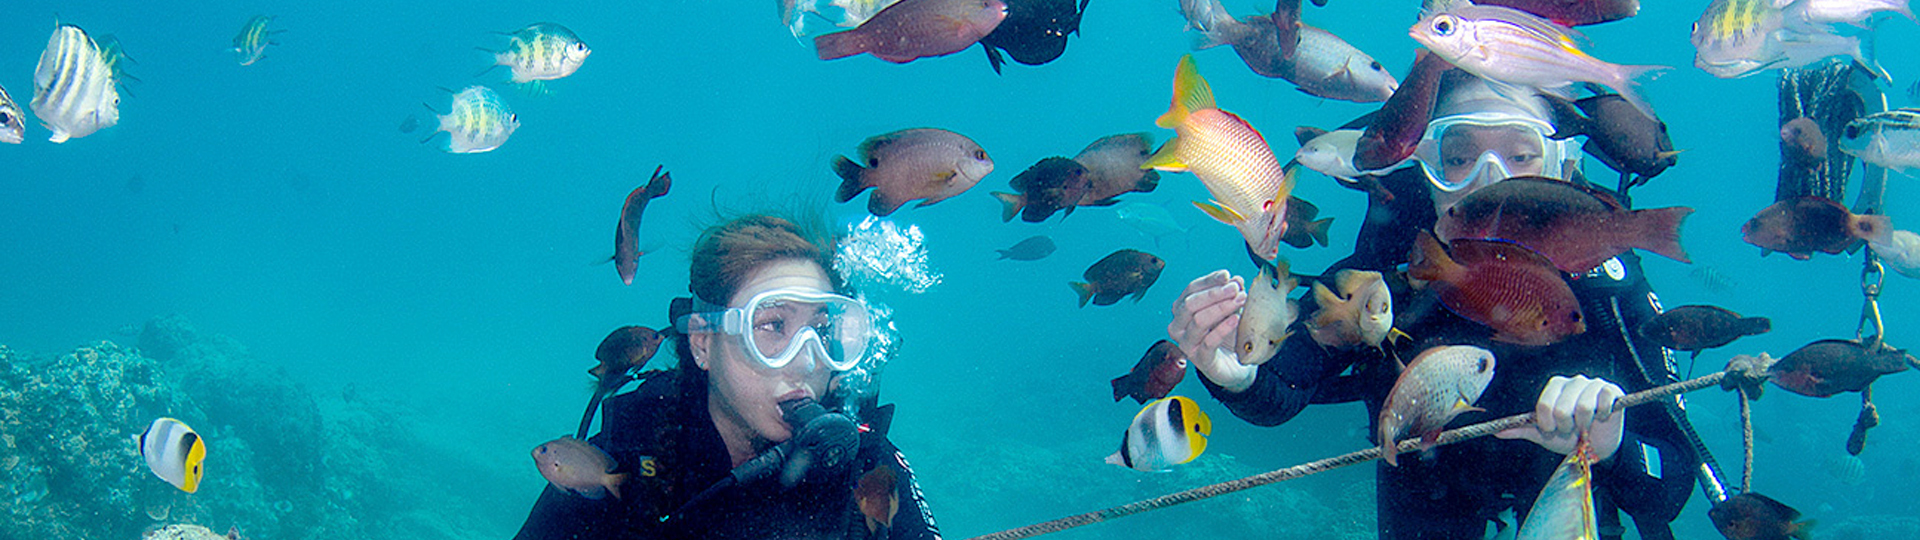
x=251, y=44
x=73, y=86
x=478, y=122
x=12, y=126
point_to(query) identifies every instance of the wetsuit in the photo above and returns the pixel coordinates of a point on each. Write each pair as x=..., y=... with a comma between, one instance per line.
x=652, y=497
x=1454, y=494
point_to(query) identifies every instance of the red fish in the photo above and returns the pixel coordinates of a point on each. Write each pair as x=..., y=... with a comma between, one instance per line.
x=915, y=29
x=1831, y=366
x=878, y=499
x=1401, y=122
x=1573, y=12
x=1575, y=227
x=1802, y=225
x=626, y=238
x=1154, y=376
x=1502, y=285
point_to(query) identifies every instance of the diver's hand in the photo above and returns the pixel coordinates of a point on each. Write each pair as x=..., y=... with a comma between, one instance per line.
x=1568, y=407
x=1205, y=318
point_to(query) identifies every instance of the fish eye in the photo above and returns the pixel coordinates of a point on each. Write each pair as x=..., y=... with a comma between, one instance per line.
x=513, y=117
x=1852, y=131
x=1375, y=65
x=980, y=155
x=582, y=47
x=1443, y=26
x=1246, y=347
x=5, y=119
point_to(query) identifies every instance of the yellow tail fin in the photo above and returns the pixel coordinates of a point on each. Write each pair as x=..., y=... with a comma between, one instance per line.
x=1190, y=93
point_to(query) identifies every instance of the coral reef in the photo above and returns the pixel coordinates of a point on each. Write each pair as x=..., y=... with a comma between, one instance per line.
x=278, y=466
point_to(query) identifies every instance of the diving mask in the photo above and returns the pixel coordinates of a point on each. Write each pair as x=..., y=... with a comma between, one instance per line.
x=776, y=325
x=1481, y=148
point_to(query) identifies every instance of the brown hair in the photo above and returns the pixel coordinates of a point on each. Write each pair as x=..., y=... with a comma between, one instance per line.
x=728, y=253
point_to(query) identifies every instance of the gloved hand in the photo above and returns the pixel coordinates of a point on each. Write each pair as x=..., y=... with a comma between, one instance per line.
x=1569, y=406
x=1205, y=318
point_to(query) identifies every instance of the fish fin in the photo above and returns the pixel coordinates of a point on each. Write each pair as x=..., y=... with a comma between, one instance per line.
x=613, y=482
x=1307, y=133
x=1460, y=406
x=1389, y=450
x=1803, y=530
x=1765, y=252
x=994, y=59
x=1190, y=93
x=880, y=204
x=1288, y=179
x=1120, y=384
x=1629, y=80
x=1394, y=335
x=1166, y=158
x=1318, y=230
x=1659, y=231
x=1670, y=154
x=839, y=45
x=659, y=182
x=1085, y=290
x=1872, y=228
x=851, y=183
x=1432, y=262
x=1220, y=213
x=1010, y=204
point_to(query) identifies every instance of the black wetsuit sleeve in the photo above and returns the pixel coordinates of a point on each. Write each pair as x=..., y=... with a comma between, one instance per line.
x=1284, y=385
x=914, y=521
x=559, y=515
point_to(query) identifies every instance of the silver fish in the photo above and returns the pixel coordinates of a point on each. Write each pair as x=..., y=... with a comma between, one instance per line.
x=251, y=44
x=1738, y=38
x=1441, y=383
x=73, y=87
x=13, y=127
x=1854, y=12
x=1268, y=314
x=1564, y=509
x=1516, y=48
x=1889, y=139
x=1900, y=251
x=1326, y=66
x=542, y=52
x=479, y=121
x=579, y=467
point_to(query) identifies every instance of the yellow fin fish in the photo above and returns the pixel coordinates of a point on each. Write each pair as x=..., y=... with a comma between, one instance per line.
x=1249, y=187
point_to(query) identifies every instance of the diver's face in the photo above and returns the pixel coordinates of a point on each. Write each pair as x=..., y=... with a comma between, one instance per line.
x=746, y=393
x=1517, y=147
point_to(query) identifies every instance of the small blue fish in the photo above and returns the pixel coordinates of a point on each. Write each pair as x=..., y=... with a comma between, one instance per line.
x=479, y=122
x=251, y=44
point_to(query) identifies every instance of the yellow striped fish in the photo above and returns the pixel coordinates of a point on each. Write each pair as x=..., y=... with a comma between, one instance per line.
x=1516, y=48
x=1230, y=158
x=479, y=121
x=1564, y=509
x=1737, y=38
x=73, y=86
x=251, y=44
x=13, y=127
x=542, y=52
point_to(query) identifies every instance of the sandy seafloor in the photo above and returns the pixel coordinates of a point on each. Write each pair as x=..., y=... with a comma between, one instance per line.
x=427, y=317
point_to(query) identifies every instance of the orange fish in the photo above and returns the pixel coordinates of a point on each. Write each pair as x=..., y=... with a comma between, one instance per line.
x=879, y=500
x=1230, y=158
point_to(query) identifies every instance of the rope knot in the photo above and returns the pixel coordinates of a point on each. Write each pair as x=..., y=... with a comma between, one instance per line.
x=1748, y=373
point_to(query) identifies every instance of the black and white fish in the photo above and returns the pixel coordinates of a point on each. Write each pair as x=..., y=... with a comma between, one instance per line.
x=174, y=452
x=73, y=86
x=13, y=127
x=1889, y=139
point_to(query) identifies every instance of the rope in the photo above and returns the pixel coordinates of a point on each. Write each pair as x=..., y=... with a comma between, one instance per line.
x=1746, y=441
x=1314, y=467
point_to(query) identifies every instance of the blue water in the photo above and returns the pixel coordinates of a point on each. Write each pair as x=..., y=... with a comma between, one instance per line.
x=279, y=204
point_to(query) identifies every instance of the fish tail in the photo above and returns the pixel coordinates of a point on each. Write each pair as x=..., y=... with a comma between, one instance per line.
x=1010, y=205
x=613, y=482
x=1660, y=231
x=840, y=44
x=850, y=179
x=1085, y=290
x=1120, y=384
x=1874, y=228
x=1629, y=81
x=1431, y=262
x=1319, y=230
x=1190, y=93
x=658, y=185
x=1223, y=31
x=1004, y=253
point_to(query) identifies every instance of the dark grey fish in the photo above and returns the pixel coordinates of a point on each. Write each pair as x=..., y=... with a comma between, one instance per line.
x=1625, y=139
x=1034, y=32
x=1031, y=249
